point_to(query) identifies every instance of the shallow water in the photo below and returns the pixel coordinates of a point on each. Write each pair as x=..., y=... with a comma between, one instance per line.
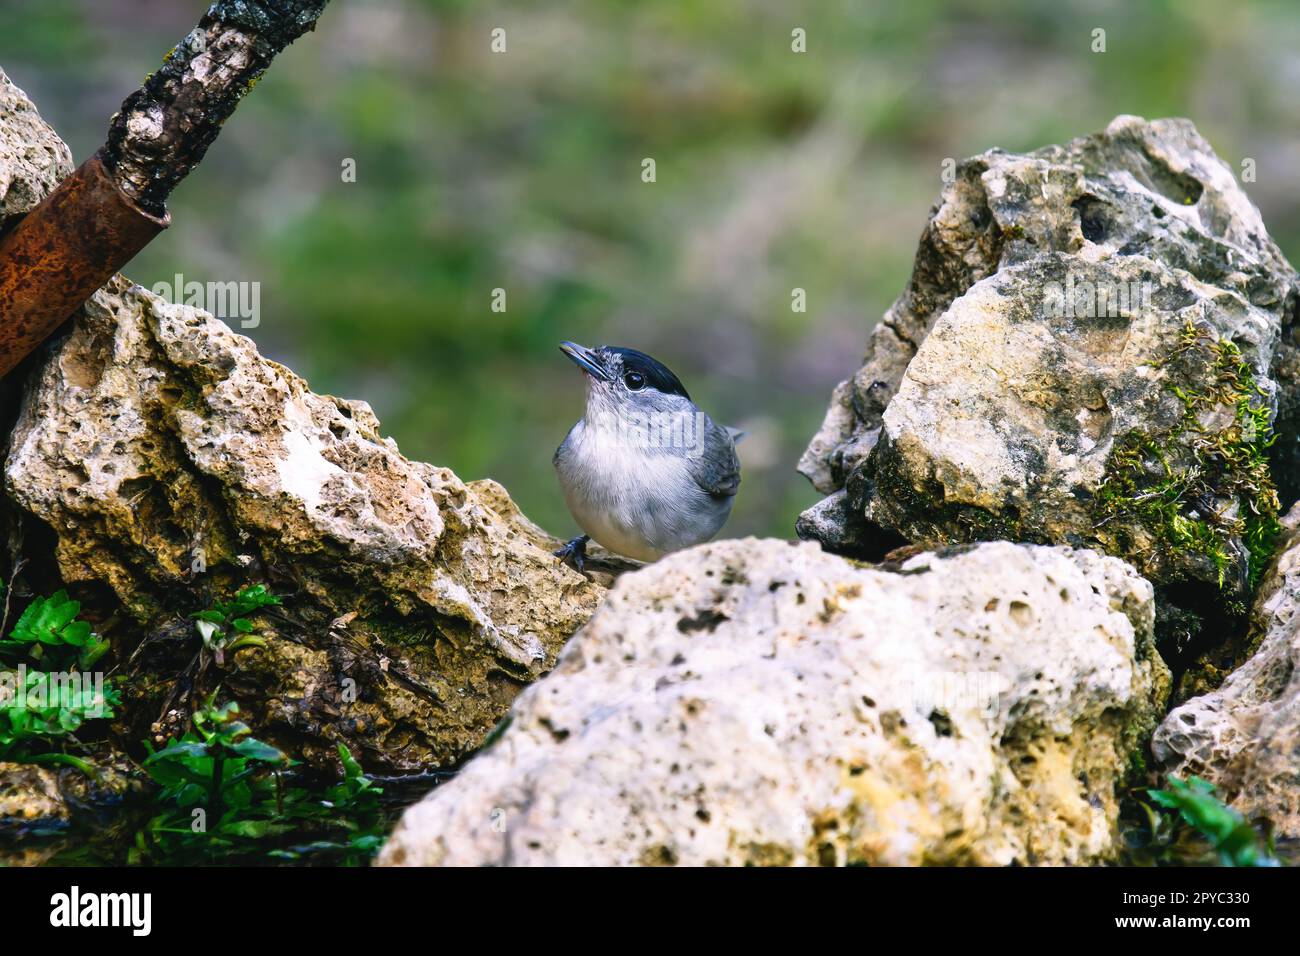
x=104, y=835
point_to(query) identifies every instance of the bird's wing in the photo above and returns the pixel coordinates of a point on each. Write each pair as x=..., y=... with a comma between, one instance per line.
x=716, y=469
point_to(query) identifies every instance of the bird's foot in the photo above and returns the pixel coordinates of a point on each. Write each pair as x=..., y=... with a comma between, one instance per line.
x=575, y=552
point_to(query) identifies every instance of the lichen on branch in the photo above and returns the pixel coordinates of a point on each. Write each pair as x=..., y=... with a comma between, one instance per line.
x=164, y=128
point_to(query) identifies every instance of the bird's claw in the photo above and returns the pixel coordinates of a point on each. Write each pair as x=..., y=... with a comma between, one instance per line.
x=574, y=553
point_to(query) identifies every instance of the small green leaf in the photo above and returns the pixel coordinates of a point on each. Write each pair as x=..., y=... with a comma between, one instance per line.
x=255, y=749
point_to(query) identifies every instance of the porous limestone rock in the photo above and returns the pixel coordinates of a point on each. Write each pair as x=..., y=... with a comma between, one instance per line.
x=764, y=702
x=172, y=463
x=1091, y=350
x=32, y=157
x=1244, y=736
x=157, y=463
x=1143, y=436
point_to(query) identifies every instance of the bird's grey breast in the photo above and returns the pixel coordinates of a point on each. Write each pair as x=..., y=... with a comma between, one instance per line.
x=645, y=499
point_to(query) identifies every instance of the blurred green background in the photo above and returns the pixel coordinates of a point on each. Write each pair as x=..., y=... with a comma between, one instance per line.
x=522, y=171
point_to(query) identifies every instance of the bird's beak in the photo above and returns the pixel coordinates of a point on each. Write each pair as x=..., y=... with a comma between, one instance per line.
x=586, y=360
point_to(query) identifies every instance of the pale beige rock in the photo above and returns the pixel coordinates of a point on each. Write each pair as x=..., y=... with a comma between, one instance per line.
x=32, y=157
x=1023, y=416
x=29, y=795
x=1139, y=197
x=758, y=701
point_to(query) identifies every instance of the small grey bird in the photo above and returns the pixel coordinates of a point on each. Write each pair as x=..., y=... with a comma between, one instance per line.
x=644, y=471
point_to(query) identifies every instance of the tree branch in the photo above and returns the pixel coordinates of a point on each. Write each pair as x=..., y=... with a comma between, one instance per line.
x=164, y=128
x=98, y=218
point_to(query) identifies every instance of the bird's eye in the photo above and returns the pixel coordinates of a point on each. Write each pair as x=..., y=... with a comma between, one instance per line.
x=634, y=380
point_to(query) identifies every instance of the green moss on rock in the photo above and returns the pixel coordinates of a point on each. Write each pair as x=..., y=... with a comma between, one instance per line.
x=1202, y=487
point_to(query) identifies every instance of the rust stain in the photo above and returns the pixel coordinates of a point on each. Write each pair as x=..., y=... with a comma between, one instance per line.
x=64, y=250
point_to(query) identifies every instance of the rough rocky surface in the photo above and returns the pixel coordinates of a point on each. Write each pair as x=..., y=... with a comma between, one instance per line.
x=29, y=798
x=1141, y=436
x=1002, y=396
x=32, y=157
x=163, y=464
x=1244, y=736
x=29, y=794
x=169, y=461
x=764, y=702
x=45, y=801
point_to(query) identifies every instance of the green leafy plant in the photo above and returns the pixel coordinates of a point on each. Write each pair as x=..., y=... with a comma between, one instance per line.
x=44, y=705
x=1232, y=838
x=225, y=795
x=352, y=806
x=227, y=627
x=49, y=632
x=45, y=712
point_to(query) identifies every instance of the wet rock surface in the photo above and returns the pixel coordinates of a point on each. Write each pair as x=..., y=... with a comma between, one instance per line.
x=758, y=702
x=40, y=806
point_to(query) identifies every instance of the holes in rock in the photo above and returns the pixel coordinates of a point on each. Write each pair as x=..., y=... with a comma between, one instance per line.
x=981, y=217
x=705, y=620
x=558, y=734
x=659, y=856
x=1093, y=222
x=1179, y=187
x=941, y=722
x=734, y=576
x=1021, y=613
x=891, y=722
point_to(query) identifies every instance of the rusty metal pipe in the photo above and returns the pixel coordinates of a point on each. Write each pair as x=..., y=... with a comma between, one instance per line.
x=96, y=221
x=62, y=252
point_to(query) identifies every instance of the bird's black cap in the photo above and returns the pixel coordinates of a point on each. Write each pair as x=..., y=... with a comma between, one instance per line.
x=657, y=375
